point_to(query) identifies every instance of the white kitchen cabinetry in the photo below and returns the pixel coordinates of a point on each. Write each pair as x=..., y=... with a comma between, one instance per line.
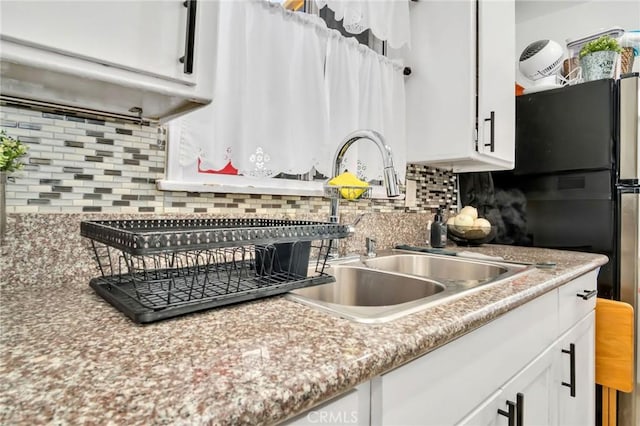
x=351, y=408
x=516, y=358
x=549, y=386
x=533, y=388
x=576, y=349
x=110, y=55
x=461, y=95
x=136, y=35
x=448, y=383
x=577, y=396
x=533, y=392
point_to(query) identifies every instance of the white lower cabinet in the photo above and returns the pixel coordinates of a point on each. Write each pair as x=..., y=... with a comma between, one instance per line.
x=576, y=403
x=352, y=408
x=533, y=392
x=487, y=413
x=443, y=386
x=556, y=388
x=514, y=363
x=529, y=398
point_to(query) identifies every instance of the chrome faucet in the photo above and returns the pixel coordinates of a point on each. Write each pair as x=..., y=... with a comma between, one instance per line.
x=389, y=174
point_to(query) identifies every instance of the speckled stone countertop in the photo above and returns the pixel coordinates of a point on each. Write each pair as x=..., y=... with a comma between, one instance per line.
x=68, y=357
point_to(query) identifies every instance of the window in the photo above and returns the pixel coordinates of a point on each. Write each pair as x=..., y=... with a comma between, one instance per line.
x=287, y=93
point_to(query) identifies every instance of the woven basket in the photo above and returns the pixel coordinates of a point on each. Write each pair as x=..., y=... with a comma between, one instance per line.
x=626, y=59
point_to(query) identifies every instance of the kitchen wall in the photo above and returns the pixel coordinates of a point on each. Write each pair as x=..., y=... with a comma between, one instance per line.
x=87, y=167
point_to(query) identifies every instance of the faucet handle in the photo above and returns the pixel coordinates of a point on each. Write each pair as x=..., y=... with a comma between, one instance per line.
x=371, y=247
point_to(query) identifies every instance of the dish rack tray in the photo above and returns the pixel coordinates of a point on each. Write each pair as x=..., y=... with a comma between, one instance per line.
x=161, y=268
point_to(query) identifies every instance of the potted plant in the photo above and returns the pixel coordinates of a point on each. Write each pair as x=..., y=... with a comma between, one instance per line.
x=11, y=152
x=598, y=58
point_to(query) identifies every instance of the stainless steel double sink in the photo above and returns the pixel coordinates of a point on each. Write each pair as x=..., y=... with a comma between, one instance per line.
x=397, y=283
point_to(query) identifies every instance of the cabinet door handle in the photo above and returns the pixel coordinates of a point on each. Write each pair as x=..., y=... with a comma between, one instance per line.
x=587, y=294
x=190, y=39
x=510, y=413
x=492, y=119
x=519, y=409
x=572, y=369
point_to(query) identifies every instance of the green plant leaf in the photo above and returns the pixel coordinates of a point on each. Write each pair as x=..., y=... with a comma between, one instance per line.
x=11, y=151
x=603, y=43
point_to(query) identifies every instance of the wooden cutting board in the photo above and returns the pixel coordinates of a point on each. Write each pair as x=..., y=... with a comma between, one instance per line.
x=614, y=344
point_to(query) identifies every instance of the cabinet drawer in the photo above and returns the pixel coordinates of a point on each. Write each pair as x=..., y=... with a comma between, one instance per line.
x=576, y=300
x=470, y=368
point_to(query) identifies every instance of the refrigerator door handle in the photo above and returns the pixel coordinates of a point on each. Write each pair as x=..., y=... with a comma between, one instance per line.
x=628, y=155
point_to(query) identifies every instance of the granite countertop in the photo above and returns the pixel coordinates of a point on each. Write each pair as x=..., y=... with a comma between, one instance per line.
x=68, y=357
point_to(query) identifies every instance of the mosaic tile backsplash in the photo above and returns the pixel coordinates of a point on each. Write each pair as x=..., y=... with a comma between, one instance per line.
x=88, y=164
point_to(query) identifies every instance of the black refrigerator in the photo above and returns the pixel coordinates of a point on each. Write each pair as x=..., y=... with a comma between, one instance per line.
x=575, y=186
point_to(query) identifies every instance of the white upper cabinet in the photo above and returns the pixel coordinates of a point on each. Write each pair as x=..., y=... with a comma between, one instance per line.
x=136, y=35
x=496, y=82
x=461, y=93
x=113, y=56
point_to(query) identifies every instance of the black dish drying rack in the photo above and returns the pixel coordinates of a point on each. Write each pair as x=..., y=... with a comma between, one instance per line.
x=161, y=268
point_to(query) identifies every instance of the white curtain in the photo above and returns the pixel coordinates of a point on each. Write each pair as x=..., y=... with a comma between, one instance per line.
x=365, y=91
x=269, y=100
x=287, y=91
x=387, y=19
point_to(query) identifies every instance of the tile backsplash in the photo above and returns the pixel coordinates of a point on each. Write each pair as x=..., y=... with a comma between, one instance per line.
x=82, y=164
x=89, y=164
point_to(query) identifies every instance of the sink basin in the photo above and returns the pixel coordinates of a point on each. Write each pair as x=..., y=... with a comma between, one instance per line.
x=367, y=287
x=448, y=269
x=393, y=285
